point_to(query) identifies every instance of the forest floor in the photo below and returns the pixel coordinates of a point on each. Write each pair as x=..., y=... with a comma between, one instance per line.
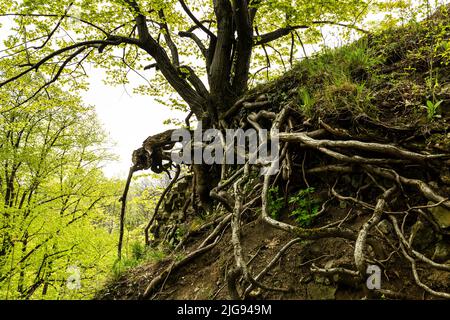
x=204, y=278
x=391, y=88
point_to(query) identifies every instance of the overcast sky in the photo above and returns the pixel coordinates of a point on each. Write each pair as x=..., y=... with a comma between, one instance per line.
x=128, y=118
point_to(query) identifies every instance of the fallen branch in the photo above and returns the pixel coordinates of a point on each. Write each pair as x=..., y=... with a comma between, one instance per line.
x=123, y=200
x=166, y=190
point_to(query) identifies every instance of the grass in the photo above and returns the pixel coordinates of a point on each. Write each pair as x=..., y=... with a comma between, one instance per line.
x=389, y=73
x=336, y=79
x=139, y=254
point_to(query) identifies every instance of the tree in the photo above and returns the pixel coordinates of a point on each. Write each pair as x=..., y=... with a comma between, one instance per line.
x=58, y=37
x=53, y=196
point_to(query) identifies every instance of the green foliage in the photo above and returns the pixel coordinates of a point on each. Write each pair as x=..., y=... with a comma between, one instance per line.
x=137, y=250
x=59, y=212
x=336, y=79
x=274, y=202
x=306, y=207
x=432, y=108
x=139, y=254
x=57, y=204
x=307, y=102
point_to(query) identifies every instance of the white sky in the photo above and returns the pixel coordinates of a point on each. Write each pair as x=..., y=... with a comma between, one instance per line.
x=128, y=118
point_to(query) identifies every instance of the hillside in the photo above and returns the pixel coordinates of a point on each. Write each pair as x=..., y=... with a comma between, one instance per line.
x=364, y=181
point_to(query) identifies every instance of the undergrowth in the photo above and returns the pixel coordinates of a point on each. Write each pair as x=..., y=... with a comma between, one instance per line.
x=139, y=254
x=303, y=205
x=399, y=71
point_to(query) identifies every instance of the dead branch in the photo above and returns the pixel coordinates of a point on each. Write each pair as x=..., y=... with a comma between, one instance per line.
x=123, y=200
x=166, y=190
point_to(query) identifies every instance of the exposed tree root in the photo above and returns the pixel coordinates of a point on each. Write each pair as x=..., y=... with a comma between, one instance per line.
x=382, y=166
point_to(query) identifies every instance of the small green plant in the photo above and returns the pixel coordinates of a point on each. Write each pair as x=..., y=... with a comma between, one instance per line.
x=274, y=202
x=358, y=57
x=307, y=102
x=120, y=266
x=180, y=232
x=432, y=108
x=138, y=255
x=306, y=208
x=137, y=250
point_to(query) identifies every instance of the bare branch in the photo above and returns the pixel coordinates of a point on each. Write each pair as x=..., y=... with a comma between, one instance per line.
x=274, y=35
x=146, y=42
x=161, y=198
x=281, y=32
x=195, y=27
x=195, y=20
x=196, y=39
x=168, y=38
x=114, y=40
x=196, y=82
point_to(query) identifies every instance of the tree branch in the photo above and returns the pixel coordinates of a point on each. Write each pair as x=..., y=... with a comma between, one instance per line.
x=219, y=71
x=244, y=46
x=170, y=72
x=195, y=20
x=281, y=32
x=195, y=27
x=113, y=40
x=274, y=35
x=168, y=39
x=196, y=82
x=196, y=39
x=39, y=15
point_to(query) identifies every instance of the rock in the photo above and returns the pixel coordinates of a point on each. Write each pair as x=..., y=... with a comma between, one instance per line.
x=320, y=292
x=423, y=236
x=441, y=214
x=442, y=251
x=255, y=293
x=385, y=226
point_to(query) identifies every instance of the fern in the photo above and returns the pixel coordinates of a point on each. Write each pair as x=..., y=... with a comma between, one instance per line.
x=306, y=207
